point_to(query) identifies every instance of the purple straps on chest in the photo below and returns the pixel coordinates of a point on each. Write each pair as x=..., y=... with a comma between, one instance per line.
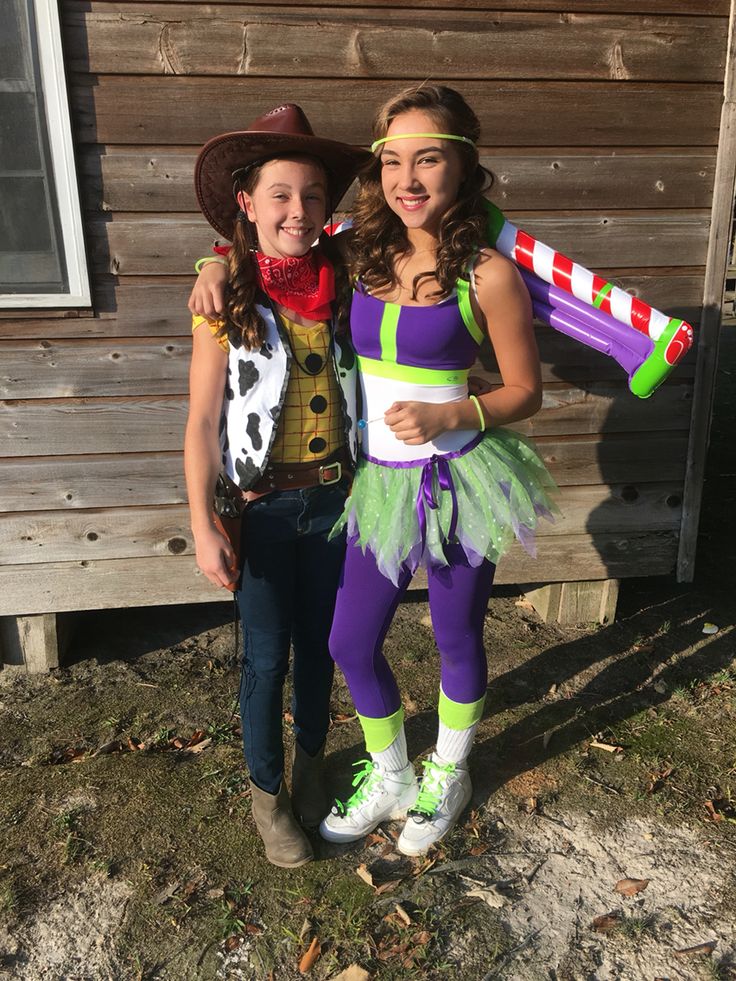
x=425, y=337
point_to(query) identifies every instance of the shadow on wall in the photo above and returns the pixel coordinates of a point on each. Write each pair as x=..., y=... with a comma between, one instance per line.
x=619, y=460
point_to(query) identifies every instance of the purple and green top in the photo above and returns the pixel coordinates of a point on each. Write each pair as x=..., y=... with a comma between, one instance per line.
x=412, y=353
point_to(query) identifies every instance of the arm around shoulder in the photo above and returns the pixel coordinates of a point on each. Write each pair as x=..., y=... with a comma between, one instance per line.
x=207, y=298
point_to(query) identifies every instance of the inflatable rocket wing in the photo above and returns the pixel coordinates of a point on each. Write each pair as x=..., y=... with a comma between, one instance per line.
x=570, y=298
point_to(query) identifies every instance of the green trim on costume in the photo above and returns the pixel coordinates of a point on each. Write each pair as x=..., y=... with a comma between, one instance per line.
x=460, y=715
x=380, y=733
x=466, y=310
x=495, y=221
x=389, y=327
x=408, y=373
x=602, y=294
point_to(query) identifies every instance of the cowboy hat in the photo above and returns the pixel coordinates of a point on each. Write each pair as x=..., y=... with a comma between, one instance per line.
x=284, y=130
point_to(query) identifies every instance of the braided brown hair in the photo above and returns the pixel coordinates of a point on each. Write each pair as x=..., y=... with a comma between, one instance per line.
x=379, y=236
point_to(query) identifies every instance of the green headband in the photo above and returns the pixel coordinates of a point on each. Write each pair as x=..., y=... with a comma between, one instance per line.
x=411, y=136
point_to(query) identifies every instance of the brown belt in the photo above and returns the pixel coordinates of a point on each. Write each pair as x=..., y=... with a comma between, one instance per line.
x=295, y=476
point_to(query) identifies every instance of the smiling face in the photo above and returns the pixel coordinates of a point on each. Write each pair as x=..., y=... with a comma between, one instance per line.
x=288, y=206
x=420, y=176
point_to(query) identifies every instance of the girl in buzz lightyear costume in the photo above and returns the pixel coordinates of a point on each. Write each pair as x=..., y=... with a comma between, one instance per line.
x=439, y=484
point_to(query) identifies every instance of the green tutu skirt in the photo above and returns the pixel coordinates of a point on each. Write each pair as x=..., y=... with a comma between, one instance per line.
x=483, y=497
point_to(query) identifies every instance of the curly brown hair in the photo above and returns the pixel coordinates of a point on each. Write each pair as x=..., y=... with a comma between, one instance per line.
x=379, y=236
x=242, y=323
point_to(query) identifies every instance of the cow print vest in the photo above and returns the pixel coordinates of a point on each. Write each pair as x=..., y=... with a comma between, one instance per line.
x=254, y=395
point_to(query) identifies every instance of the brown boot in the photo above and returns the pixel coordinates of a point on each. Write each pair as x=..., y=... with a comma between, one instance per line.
x=286, y=844
x=308, y=791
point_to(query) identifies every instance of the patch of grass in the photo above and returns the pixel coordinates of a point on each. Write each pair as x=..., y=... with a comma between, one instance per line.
x=718, y=970
x=162, y=735
x=233, y=911
x=66, y=826
x=8, y=897
x=222, y=733
x=635, y=927
x=348, y=930
x=103, y=866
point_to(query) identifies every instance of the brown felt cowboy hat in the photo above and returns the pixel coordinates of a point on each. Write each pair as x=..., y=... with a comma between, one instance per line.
x=281, y=131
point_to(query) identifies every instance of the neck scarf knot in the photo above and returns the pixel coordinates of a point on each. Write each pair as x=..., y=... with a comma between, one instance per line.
x=304, y=284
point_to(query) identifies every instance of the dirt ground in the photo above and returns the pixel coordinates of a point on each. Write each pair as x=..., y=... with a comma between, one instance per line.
x=601, y=843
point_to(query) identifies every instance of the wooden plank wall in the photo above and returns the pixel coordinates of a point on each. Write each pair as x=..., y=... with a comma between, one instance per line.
x=601, y=127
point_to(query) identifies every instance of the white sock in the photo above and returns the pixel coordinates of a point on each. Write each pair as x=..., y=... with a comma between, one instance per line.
x=454, y=745
x=394, y=756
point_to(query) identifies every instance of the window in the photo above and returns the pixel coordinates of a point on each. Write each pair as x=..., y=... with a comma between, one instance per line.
x=42, y=259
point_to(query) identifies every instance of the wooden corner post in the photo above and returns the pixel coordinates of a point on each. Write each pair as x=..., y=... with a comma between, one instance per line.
x=710, y=323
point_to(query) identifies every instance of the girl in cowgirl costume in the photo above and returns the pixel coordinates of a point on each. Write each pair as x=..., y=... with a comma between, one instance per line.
x=272, y=402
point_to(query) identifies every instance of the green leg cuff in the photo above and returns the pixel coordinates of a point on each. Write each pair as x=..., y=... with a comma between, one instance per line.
x=460, y=715
x=380, y=733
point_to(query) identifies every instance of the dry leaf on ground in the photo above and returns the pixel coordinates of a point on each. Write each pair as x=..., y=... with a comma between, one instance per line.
x=197, y=747
x=362, y=871
x=340, y=717
x=165, y=895
x=70, y=754
x=713, y=814
x=644, y=648
x=352, y=973
x=403, y=915
x=701, y=950
x=658, y=779
x=529, y=805
x=309, y=957
x=387, y=886
x=114, y=746
x=630, y=887
x=378, y=888
x=608, y=747
x=606, y=922
x=491, y=897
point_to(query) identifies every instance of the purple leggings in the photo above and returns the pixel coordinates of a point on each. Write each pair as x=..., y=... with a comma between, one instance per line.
x=366, y=603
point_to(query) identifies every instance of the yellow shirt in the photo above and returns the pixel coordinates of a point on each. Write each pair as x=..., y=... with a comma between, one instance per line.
x=310, y=425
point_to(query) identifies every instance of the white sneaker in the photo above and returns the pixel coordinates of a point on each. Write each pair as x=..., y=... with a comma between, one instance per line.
x=380, y=794
x=444, y=793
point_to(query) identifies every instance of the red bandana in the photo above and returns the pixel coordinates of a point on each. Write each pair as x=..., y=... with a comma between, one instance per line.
x=304, y=284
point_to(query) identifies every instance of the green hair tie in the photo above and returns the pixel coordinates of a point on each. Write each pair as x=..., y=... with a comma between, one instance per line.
x=410, y=136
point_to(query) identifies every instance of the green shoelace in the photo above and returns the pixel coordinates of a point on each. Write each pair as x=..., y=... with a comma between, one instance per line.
x=364, y=781
x=432, y=787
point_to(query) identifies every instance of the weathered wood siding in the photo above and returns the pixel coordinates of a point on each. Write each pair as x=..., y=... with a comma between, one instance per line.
x=601, y=127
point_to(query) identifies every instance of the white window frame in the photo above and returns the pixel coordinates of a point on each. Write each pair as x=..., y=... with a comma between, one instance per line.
x=53, y=80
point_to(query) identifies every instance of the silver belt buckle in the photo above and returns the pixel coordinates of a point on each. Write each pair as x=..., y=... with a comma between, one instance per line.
x=337, y=467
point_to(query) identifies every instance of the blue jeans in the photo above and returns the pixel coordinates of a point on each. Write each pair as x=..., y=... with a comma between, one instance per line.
x=287, y=597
